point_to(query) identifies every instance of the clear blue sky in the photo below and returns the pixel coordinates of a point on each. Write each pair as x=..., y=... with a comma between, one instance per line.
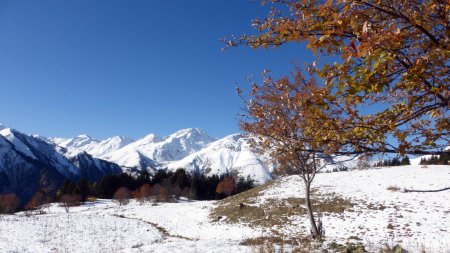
x=128, y=67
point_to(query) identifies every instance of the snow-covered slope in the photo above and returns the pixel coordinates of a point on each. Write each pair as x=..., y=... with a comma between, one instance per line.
x=152, y=151
x=372, y=213
x=81, y=141
x=107, y=146
x=29, y=163
x=39, y=150
x=93, y=168
x=85, y=143
x=231, y=154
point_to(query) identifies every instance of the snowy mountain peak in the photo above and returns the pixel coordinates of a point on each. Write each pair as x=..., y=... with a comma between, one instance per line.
x=83, y=136
x=4, y=131
x=150, y=138
x=78, y=142
x=120, y=138
x=109, y=145
x=231, y=154
x=176, y=146
x=2, y=126
x=11, y=135
x=190, y=133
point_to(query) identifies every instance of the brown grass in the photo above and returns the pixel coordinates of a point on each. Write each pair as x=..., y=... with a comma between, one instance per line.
x=280, y=244
x=274, y=212
x=393, y=188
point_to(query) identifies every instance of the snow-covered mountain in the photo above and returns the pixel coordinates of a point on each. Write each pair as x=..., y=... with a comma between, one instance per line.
x=152, y=152
x=82, y=141
x=231, y=154
x=32, y=162
x=85, y=143
x=29, y=163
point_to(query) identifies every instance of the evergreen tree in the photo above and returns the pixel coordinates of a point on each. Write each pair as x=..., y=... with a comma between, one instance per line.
x=405, y=161
x=82, y=188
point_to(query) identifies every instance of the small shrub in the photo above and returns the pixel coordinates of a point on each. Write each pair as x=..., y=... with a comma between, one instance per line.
x=163, y=195
x=143, y=194
x=38, y=203
x=9, y=203
x=122, y=196
x=226, y=186
x=70, y=200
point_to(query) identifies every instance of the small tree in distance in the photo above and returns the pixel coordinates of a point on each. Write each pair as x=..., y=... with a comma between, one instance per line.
x=226, y=186
x=143, y=194
x=122, y=196
x=9, y=203
x=69, y=200
x=38, y=200
x=405, y=161
x=163, y=195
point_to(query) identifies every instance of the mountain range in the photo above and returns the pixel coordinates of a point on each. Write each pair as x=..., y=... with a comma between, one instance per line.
x=31, y=162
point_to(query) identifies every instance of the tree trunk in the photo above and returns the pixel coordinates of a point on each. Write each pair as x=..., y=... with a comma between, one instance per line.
x=314, y=230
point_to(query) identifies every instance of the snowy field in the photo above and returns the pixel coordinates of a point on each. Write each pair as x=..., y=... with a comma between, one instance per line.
x=383, y=214
x=379, y=216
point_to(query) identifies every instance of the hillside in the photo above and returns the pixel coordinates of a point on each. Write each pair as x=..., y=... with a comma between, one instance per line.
x=365, y=206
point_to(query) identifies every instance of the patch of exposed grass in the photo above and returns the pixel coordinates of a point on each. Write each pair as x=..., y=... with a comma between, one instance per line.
x=281, y=244
x=348, y=248
x=243, y=207
x=249, y=197
x=393, y=188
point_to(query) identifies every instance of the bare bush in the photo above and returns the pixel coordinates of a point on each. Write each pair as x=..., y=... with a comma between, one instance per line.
x=69, y=200
x=38, y=202
x=122, y=196
x=163, y=195
x=143, y=194
x=9, y=203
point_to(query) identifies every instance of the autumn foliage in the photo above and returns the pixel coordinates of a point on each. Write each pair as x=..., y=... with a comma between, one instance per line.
x=9, y=203
x=389, y=56
x=122, y=196
x=284, y=118
x=38, y=199
x=69, y=200
x=226, y=186
x=143, y=194
x=379, y=83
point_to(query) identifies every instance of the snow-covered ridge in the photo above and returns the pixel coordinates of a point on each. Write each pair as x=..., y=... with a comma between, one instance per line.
x=160, y=150
x=18, y=143
x=231, y=154
x=192, y=149
x=31, y=162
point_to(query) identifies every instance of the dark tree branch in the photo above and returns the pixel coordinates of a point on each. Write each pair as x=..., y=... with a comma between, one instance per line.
x=438, y=190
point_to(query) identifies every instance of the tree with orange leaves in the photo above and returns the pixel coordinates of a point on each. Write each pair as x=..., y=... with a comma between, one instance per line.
x=279, y=116
x=390, y=56
x=9, y=203
x=226, y=186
